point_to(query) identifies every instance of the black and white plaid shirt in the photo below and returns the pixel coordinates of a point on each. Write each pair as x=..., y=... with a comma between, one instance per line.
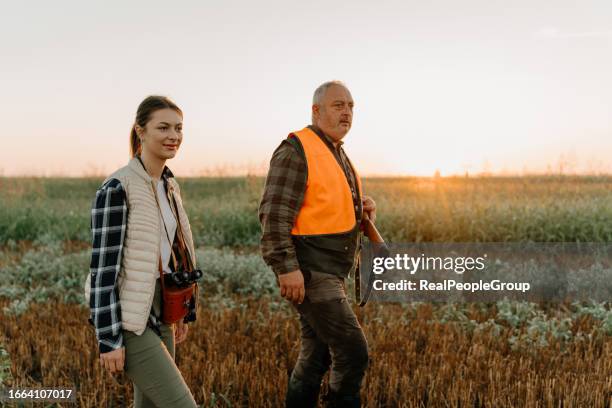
x=108, y=225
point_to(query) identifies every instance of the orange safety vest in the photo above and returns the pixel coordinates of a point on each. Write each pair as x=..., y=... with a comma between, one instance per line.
x=328, y=206
x=325, y=232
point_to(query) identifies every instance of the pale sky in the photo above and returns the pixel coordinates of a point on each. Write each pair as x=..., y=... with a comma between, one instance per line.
x=497, y=86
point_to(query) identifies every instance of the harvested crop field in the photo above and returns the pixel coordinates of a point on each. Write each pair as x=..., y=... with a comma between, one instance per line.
x=245, y=342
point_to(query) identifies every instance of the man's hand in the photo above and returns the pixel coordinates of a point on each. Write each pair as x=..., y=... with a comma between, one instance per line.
x=292, y=286
x=369, y=207
x=113, y=360
x=180, y=332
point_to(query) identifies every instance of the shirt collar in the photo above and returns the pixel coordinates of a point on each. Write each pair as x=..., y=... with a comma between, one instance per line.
x=324, y=137
x=166, y=173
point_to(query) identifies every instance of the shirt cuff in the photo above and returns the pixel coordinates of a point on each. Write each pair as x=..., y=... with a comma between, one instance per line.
x=286, y=266
x=111, y=343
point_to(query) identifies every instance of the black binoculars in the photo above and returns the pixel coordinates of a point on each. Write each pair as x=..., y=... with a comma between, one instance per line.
x=185, y=278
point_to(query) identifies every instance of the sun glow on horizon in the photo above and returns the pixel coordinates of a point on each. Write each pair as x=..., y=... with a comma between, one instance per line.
x=448, y=87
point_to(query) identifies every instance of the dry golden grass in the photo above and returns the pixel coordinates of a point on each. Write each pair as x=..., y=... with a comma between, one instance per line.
x=244, y=355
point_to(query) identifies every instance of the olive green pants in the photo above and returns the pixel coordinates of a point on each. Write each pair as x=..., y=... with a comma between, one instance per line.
x=149, y=363
x=331, y=338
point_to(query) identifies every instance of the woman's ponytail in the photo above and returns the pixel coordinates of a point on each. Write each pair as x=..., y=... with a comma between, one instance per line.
x=134, y=142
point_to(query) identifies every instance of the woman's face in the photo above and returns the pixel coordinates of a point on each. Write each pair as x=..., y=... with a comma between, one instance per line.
x=163, y=134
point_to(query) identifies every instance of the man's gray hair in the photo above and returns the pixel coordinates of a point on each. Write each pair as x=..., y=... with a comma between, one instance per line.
x=319, y=93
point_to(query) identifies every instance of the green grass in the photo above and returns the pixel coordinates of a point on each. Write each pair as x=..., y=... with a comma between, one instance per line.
x=45, y=273
x=223, y=211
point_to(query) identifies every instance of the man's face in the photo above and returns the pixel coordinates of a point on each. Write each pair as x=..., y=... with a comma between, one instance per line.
x=334, y=114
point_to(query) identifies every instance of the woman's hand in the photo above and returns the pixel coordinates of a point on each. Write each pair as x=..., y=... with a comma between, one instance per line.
x=180, y=332
x=113, y=360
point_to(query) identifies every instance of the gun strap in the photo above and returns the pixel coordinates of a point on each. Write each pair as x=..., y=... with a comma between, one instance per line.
x=358, y=281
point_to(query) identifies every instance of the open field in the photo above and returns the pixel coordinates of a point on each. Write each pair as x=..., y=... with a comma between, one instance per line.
x=223, y=211
x=244, y=344
x=419, y=356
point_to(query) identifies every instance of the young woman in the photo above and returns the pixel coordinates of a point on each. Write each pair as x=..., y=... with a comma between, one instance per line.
x=141, y=232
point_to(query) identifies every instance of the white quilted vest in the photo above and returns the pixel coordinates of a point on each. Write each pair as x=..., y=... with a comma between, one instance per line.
x=141, y=245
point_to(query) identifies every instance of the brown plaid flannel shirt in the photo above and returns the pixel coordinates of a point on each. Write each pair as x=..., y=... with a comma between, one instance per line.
x=282, y=199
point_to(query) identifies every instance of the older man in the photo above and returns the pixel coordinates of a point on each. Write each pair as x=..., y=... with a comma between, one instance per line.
x=310, y=213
